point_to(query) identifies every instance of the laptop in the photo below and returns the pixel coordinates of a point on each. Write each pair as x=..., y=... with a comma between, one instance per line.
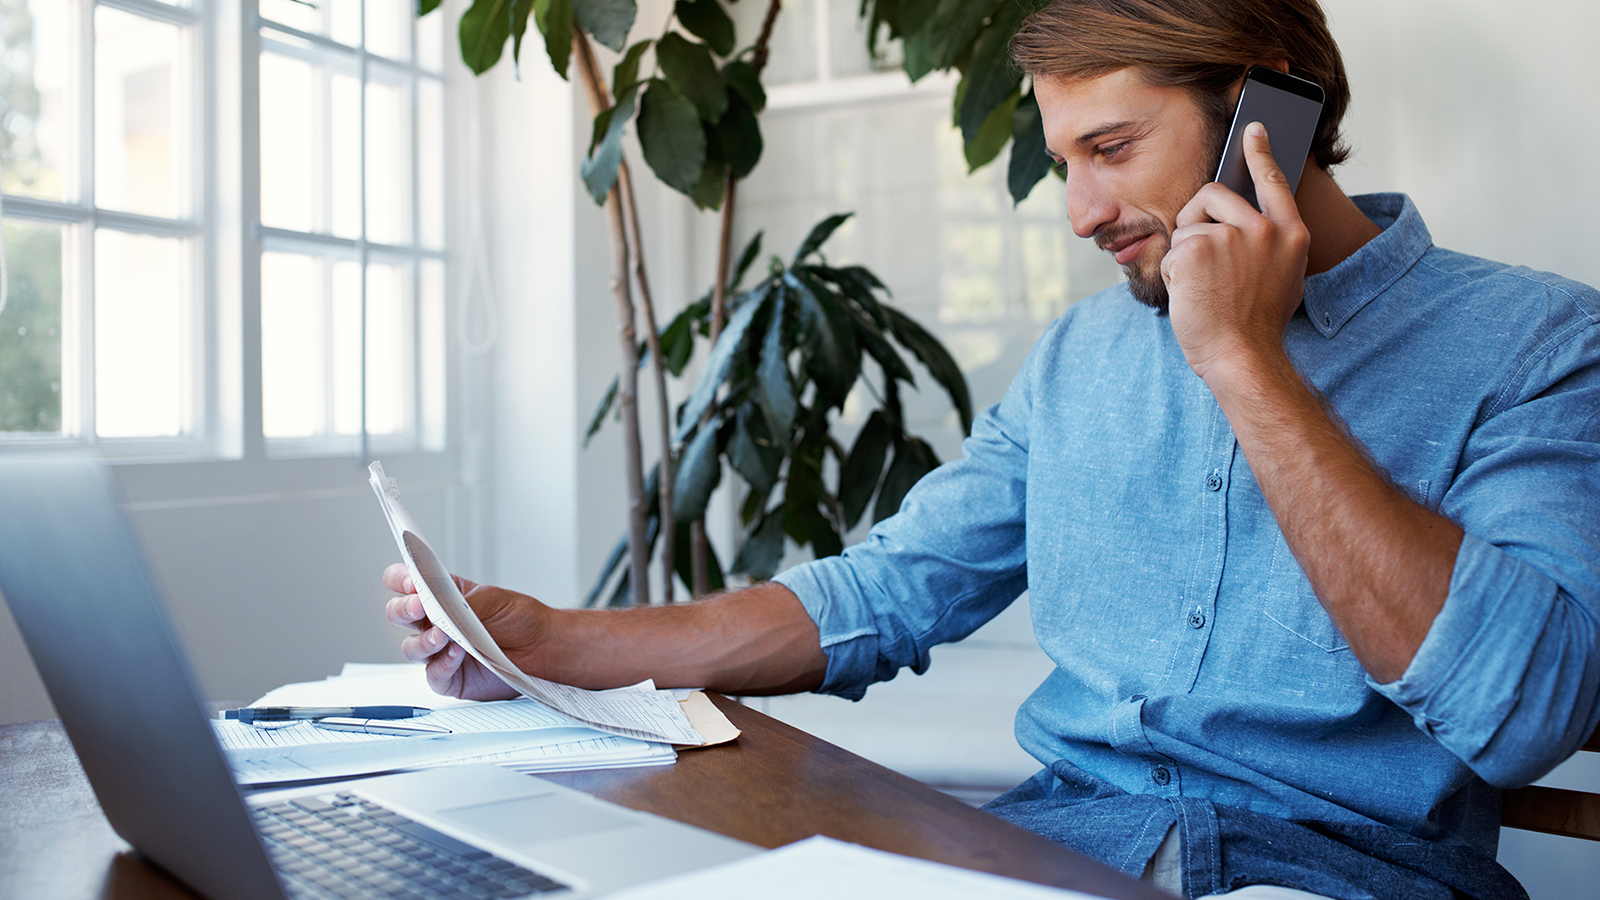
x=84, y=599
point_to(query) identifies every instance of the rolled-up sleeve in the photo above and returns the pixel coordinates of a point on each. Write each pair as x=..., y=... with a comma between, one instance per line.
x=1508, y=677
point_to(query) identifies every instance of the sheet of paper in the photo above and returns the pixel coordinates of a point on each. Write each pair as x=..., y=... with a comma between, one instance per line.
x=823, y=867
x=639, y=711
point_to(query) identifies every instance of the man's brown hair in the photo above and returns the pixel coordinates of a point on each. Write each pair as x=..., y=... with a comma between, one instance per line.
x=1203, y=46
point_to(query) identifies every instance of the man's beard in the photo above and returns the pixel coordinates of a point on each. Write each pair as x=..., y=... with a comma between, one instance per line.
x=1144, y=278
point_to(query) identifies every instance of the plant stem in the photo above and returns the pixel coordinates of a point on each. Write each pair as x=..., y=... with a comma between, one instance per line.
x=628, y=377
x=719, y=299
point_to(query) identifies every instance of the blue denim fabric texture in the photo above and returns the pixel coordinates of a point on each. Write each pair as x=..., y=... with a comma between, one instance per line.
x=1194, y=665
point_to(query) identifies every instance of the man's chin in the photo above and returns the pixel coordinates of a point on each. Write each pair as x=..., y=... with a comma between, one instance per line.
x=1148, y=288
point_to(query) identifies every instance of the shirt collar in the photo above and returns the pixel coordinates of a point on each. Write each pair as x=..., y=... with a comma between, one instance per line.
x=1334, y=296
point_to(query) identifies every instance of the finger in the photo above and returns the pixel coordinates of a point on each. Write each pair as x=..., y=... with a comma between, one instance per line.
x=1272, y=186
x=397, y=578
x=407, y=612
x=1212, y=203
x=424, y=645
x=444, y=671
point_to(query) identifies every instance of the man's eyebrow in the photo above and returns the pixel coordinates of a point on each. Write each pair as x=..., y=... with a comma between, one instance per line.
x=1090, y=137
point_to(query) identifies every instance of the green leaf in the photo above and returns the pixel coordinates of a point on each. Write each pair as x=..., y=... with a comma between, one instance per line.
x=993, y=135
x=699, y=471
x=763, y=549
x=940, y=364
x=707, y=193
x=740, y=136
x=608, y=20
x=831, y=356
x=953, y=26
x=599, y=171
x=804, y=493
x=719, y=362
x=554, y=18
x=751, y=251
x=774, y=388
x=427, y=6
x=705, y=20
x=670, y=133
x=688, y=66
x=913, y=458
x=819, y=234
x=484, y=28
x=1030, y=161
x=867, y=331
x=626, y=74
x=991, y=75
x=861, y=471
x=752, y=452
x=743, y=79
x=677, y=340
x=602, y=409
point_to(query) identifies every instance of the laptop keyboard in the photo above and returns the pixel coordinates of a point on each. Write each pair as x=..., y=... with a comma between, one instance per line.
x=341, y=846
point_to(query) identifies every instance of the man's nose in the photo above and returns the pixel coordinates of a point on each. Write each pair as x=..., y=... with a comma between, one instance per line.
x=1088, y=207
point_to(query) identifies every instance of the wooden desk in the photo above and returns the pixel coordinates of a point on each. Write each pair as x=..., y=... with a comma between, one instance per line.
x=774, y=785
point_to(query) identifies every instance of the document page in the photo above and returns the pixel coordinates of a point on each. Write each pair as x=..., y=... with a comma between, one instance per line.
x=823, y=867
x=641, y=711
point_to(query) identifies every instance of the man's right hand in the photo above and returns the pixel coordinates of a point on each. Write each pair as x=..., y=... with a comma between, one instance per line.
x=513, y=619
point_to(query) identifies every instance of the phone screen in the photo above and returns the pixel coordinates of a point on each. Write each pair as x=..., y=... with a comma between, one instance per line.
x=1290, y=108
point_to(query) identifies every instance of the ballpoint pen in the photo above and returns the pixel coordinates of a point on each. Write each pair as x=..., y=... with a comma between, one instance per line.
x=250, y=715
x=378, y=726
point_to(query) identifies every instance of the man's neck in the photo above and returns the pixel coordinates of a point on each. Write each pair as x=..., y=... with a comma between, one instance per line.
x=1338, y=227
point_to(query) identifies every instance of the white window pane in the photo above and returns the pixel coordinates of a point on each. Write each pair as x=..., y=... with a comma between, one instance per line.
x=793, y=42
x=304, y=16
x=34, y=82
x=31, y=329
x=345, y=357
x=388, y=164
x=138, y=76
x=431, y=43
x=387, y=348
x=142, y=348
x=345, y=152
x=389, y=28
x=345, y=21
x=432, y=334
x=293, y=354
x=290, y=143
x=430, y=163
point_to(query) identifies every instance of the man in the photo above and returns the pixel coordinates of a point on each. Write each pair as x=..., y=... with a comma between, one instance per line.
x=1315, y=544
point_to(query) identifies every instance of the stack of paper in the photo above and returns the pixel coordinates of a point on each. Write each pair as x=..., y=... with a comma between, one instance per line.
x=520, y=734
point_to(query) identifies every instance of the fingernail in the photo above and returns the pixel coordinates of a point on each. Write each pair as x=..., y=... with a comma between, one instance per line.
x=1256, y=129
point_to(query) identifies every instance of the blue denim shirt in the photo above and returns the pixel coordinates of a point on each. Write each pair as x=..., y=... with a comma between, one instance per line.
x=1192, y=659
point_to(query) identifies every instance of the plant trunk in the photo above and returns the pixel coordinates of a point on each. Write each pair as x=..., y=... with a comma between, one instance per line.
x=628, y=377
x=700, y=546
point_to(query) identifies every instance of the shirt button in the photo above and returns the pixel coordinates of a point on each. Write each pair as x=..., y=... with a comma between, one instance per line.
x=1197, y=618
x=1160, y=775
x=1213, y=482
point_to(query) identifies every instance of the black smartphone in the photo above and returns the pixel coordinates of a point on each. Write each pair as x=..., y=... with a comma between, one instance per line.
x=1290, y=108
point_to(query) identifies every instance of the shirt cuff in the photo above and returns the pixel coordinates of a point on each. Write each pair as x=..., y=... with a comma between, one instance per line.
x=1463, y=682
x=849, y=633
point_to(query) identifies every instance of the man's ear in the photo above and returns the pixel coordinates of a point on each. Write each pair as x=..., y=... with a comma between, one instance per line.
x=1282, y=65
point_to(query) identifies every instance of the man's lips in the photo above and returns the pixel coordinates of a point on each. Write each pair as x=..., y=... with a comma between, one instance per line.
x=1125, y=252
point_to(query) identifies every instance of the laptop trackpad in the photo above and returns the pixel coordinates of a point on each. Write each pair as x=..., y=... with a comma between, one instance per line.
x=535, y=820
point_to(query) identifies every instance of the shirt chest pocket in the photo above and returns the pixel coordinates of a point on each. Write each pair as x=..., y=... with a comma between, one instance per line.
x=1290, y=603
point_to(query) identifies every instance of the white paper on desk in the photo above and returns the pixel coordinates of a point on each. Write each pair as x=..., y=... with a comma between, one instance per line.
x=639, y=712
x=823, y=867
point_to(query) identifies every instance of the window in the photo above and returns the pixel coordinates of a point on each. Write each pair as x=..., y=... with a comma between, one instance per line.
x=352, y=197
x=98, y=116
x=108, y=167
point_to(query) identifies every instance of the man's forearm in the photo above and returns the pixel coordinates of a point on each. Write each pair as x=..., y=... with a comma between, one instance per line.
x=755, y=641
x=1379, y=562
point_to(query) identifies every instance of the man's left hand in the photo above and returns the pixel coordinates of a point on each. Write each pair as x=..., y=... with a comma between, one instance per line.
x=1235, y=276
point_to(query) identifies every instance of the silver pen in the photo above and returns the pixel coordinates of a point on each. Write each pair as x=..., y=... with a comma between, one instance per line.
x=379, y=726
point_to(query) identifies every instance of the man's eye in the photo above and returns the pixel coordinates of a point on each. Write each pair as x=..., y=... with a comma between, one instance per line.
x=1058, y=166
x=1111, y=150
